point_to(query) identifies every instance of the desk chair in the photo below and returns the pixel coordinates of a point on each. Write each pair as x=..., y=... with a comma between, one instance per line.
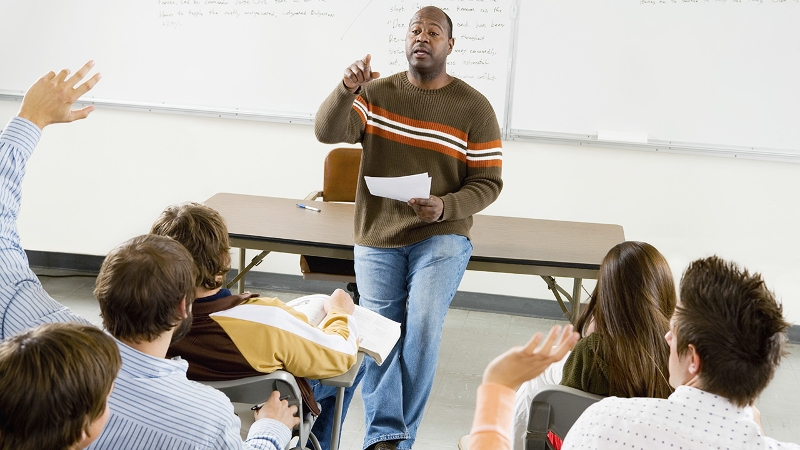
x=339, y=183
x=257, y=389
x=555, y=408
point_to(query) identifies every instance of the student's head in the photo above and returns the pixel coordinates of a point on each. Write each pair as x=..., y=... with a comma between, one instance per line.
x=146, y=287
x=54, y=385
x=428, y=41
x=203, y=232
x=631, y=306
x=727, y=331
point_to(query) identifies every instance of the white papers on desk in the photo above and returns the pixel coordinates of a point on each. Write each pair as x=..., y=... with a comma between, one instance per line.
x=400, y=188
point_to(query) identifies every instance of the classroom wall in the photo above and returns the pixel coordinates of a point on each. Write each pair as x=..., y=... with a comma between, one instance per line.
x=93, y=184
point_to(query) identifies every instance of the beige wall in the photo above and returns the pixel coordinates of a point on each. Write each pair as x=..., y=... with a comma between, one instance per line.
x=93, y=184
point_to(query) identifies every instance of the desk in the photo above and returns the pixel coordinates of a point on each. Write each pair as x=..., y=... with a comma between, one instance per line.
x=546, y=248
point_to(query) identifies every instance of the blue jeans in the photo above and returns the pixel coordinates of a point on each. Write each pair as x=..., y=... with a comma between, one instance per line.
x=413, y=285
x=326, y=397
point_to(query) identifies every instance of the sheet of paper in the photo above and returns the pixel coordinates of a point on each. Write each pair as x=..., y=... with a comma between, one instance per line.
x=400, y=188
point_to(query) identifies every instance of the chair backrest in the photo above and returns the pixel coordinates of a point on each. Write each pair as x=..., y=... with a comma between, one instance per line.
x=341, y=175
x=555, y=408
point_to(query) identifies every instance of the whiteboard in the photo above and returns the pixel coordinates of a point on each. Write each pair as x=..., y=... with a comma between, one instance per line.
x=704, y=73
x=268, y=58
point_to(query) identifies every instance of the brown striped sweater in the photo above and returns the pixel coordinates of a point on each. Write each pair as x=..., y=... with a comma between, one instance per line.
x=451, y=133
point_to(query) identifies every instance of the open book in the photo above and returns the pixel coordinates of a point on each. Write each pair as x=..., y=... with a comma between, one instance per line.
x=378, y=334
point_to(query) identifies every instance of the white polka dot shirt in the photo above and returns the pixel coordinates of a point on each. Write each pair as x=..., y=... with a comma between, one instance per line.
x=689, y=419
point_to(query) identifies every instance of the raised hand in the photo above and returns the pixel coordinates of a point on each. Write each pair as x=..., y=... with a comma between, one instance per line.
x=520, y=364
x=50, y=99
x=358, y=74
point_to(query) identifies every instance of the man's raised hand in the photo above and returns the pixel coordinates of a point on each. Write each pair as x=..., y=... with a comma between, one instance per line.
x=50, y=99
x=358, y=74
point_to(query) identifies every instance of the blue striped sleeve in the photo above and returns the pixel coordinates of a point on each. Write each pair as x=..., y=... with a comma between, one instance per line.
x=23, y=301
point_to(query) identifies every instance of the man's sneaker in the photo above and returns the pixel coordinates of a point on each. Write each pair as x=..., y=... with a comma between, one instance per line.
x=385, y=445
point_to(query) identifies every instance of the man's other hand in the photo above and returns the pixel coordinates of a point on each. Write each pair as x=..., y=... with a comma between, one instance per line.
x=427, y=209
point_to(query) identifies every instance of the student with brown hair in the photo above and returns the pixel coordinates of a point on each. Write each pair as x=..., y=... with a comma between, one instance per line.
x=289, y=342
x=55, y=381
x=145, y=288
x=622, y=351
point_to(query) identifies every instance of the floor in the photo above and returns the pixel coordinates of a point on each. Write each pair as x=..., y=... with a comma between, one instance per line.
x=470, y=340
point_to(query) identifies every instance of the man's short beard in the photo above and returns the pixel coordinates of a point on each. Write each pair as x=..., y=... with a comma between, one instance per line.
x=182, y=329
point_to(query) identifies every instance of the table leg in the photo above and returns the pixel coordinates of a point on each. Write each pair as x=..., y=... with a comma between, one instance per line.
x=577, y=285
x=242, y=259
x=243, y=270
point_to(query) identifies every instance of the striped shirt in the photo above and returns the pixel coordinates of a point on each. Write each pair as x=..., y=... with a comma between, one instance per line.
x=154, y=406
x=23, y=301
x=451, y=133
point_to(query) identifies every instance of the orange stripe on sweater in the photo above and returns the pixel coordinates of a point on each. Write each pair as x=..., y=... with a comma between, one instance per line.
x=454, y=132
x=358, y=110
x=485, y=163
x=405, y=140
x=485, y=145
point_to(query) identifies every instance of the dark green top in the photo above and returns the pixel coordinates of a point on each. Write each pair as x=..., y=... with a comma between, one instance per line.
x=586, y=369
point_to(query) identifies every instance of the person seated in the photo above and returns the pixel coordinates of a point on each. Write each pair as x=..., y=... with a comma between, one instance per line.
x=55, y=381
x=622, y=351
x=289, y=343
x=503, y=376
x=726, y=340
x=145, y=289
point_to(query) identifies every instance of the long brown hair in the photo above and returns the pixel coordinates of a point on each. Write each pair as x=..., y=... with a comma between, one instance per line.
x=631, y=306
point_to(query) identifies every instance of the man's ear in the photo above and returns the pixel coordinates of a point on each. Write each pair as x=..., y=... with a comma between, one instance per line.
x=695, y=364
x=452, y=42
x=182, y=311
x=85, y=439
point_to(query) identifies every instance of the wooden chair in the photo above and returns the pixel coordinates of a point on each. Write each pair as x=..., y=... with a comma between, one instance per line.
x=339, y=183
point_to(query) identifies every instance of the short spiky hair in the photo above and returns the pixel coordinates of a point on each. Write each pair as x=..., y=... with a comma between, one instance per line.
x=61, y=371
x=736, y=326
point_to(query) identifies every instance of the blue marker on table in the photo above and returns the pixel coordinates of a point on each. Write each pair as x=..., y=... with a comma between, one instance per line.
x=311, y=208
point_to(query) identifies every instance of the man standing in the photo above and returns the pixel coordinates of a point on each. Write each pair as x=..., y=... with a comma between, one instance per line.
x=726, y=339
x=410, y=257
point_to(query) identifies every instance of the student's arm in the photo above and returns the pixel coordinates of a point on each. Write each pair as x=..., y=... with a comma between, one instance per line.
x=276, y=336
x=339, y=119
x=273, y=421
x=23, y=301
x=503, y=376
